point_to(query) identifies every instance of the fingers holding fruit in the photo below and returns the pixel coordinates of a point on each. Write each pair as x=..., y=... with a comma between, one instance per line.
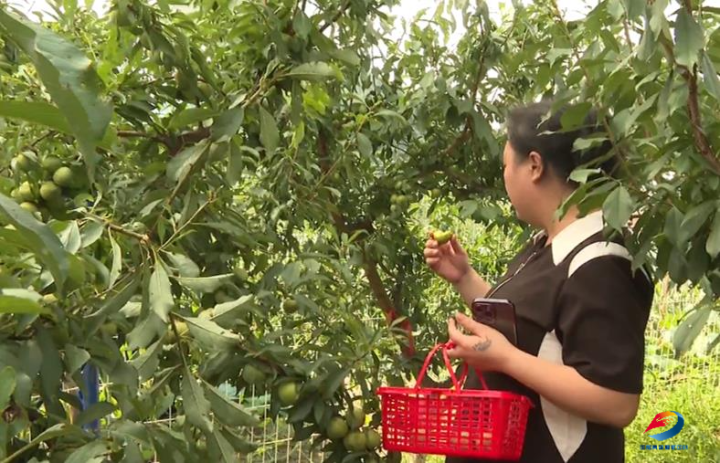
x=444, y=255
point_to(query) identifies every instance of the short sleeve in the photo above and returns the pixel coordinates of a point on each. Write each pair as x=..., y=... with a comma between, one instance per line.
x=603, y=311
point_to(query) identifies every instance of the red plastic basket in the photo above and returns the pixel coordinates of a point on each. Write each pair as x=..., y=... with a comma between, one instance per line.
x=453, y=422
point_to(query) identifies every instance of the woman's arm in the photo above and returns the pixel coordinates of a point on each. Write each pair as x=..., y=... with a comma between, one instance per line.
x=488, y=350
x=566, y=388
x=471, y=285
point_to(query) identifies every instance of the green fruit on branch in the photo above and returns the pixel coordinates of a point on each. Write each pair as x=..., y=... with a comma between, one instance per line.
x=399, y=199
x=207, y=314
x=241, y=273
x=23, y=162
x=289, y=305
x=51, y=163
x=288, y=393
x=64, y=177
x=442, y=237
x=182, y=330
x=49, y=191
x=338, y=428
x=435, y=193
x=50, y=298
x=138, y=227
x=253, y=375
x=25, y=192
x=355, y=441
x=373, y=439
x=30, y=207
x=109, y=328
x=15, y=194
x=356, y=417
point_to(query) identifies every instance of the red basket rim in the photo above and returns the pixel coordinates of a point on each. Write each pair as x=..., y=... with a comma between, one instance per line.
x=472, y=393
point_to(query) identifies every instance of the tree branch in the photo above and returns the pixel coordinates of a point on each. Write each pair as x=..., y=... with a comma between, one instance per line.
x=336, y=17
x=370, y=266
x=701, y=141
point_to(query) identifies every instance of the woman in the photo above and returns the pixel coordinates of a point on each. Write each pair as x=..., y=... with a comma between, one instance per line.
x=581, y=310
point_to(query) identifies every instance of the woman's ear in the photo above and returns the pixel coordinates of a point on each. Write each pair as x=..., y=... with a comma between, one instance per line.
x=537, y=167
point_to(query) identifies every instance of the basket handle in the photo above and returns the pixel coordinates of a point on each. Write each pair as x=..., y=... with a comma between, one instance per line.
x=451, y=345
x=457, y=383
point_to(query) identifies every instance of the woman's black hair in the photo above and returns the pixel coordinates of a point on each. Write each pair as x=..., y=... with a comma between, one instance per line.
x=529, y=129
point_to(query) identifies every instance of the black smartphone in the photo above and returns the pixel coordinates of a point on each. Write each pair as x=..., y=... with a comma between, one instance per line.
x=498, y=314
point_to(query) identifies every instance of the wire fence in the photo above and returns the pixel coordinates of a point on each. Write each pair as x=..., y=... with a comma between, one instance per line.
x=275, y=438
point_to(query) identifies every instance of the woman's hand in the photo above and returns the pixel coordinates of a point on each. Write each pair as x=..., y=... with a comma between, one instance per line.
x=448, y=260
x=485, y=348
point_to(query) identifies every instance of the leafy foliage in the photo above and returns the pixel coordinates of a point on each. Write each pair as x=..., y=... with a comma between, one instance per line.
x=224, y=185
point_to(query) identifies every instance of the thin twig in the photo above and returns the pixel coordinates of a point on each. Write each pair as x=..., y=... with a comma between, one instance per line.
x=336, y=17
x=211, y=200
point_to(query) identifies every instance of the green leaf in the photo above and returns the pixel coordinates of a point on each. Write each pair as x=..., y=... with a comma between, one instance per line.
x=51, y=371
x=333, y=382
x=227, y=313
x=191, y=116
x=618, y=207
x=581, y=175
x=673, y=221
x=40, y=238
x=75, y=358
x=302, y=410
x=146, y=363
x=575, y=116
x=7, y=386
x=210, y=335
x=220, y=449
x=206, y=284
x=241, y=445
x=387, y=113
x=146, y=330
x=364, y=145
x=235, y=164
x=116, y=302
x=689, y=39
x=690, y=328
x=69, y=77
x=181, y=165
x=184, y=265
x=89, y=453
x=713, y=243
x=710, y=77
x=70, y=238
x=634, y=8
x=269, y=133
x=36, y=113
x=228, y=123
x=302, y=24
x=96, y=411
x=347, y=56
x=116, y=262
x=229, y=412
x=160, y=292
x=695, y=219
x=91, y=232
x=197, y=407
x=21, y=301
x=311, y=71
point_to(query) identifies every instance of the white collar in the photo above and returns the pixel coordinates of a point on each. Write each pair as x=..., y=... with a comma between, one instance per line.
x=575, y=233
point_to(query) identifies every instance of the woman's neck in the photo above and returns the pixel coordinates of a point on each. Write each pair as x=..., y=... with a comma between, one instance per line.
x=553, y=227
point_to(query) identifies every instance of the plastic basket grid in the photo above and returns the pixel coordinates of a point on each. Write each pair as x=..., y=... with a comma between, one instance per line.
x=474, y=423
